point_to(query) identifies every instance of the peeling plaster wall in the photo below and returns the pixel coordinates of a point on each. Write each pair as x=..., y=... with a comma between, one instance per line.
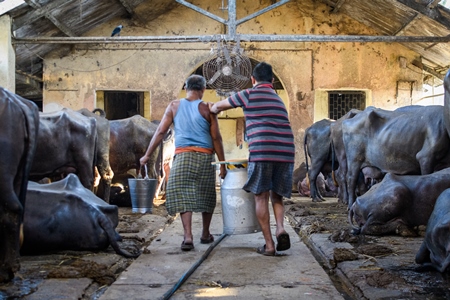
x=303, y=68
x=73, y=82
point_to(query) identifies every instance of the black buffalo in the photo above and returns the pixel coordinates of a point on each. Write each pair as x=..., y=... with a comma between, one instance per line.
x=106, y=174
x=323, y=143
x=337, y=142
x=128, y=143
x=64, y=215
x=434, y=251
x=447, y=102
x=66, y=144
x=409, y=140
x=19, y=123
x=398, y=203
x=298, y=175
x=326, y=188
x=317, y=145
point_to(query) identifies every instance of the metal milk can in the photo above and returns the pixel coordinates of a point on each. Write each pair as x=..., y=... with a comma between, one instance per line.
x=238, y=206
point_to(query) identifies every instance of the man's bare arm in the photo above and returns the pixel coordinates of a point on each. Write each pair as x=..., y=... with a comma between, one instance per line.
x=218, y=144
x=163, y=126
x=217, y=107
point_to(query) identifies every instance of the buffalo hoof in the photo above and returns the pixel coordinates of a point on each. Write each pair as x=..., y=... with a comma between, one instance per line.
x=317, y=199
x=427, y=267
x=356, y=231
x=6, y=276
x=342, y=201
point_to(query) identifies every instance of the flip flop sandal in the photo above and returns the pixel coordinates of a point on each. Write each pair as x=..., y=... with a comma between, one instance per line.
x=209, y=240
x=187, y=246
x=262, y=250
x=283, y=241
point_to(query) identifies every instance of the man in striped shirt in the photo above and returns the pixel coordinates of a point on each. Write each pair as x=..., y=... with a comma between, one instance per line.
x=272, y=152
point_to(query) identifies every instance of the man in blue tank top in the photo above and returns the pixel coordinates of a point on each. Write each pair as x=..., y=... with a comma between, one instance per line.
x=272, y=152
x=192, y=184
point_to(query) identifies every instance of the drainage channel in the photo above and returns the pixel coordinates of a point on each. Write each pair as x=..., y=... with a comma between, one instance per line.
x=340, y=286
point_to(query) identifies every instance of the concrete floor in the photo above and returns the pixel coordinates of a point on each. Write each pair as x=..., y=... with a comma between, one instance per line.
x=232, y=269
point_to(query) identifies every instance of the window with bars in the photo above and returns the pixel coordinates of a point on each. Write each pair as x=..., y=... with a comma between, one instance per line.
x=341, y=102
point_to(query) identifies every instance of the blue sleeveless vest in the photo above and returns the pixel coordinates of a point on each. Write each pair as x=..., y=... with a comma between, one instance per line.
x=191, y=128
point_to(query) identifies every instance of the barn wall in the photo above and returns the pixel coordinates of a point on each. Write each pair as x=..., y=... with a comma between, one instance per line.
x=7, y=55
x=303, y=68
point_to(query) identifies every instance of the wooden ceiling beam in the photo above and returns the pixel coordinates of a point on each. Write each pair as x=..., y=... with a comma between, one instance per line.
x=431, y=12
x=407, y=24
x=421, y=66
x=28, y=80
x=36, y=68
x=32, y=3
x=66, y=30
x=433, y=3
x=329, y=3
x=127, y=6
x=35, y=14
x=31, y=94
x=337, y=6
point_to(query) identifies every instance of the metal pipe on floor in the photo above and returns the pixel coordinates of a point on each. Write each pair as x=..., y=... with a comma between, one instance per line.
x=189, y=272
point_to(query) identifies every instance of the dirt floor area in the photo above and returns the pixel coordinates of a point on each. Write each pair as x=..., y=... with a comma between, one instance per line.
x=85, y=275
x=362, y=267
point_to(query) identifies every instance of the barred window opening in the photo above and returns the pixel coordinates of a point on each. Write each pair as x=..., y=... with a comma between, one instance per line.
x=341, y=102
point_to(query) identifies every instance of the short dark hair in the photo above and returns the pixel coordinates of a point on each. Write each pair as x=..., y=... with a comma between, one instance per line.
x=195, y=83
x=263, y=72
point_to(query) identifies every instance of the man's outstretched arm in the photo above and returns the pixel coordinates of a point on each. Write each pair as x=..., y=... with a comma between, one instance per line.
x=217, y=107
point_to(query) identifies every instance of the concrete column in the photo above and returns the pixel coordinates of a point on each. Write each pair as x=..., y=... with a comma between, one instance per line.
x=7, y=55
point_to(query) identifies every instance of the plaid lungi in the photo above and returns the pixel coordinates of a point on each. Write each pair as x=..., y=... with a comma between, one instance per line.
x=192, y=183
x=269, y=176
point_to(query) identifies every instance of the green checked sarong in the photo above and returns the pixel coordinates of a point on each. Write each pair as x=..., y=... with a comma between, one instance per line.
x=192, y=184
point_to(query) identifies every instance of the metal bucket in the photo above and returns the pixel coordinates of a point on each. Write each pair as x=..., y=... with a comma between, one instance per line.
x=238, y=206
x=142, y=192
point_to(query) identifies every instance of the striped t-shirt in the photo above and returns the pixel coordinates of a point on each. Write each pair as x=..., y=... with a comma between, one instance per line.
x=268, y=128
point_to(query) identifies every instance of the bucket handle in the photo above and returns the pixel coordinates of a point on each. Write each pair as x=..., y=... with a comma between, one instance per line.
x=146, y=173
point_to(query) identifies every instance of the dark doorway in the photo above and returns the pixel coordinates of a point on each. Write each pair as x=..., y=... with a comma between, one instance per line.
x=341, y=102
x=121, y=105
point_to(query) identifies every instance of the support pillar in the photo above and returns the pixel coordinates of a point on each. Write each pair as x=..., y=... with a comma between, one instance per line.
x=7, y=55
